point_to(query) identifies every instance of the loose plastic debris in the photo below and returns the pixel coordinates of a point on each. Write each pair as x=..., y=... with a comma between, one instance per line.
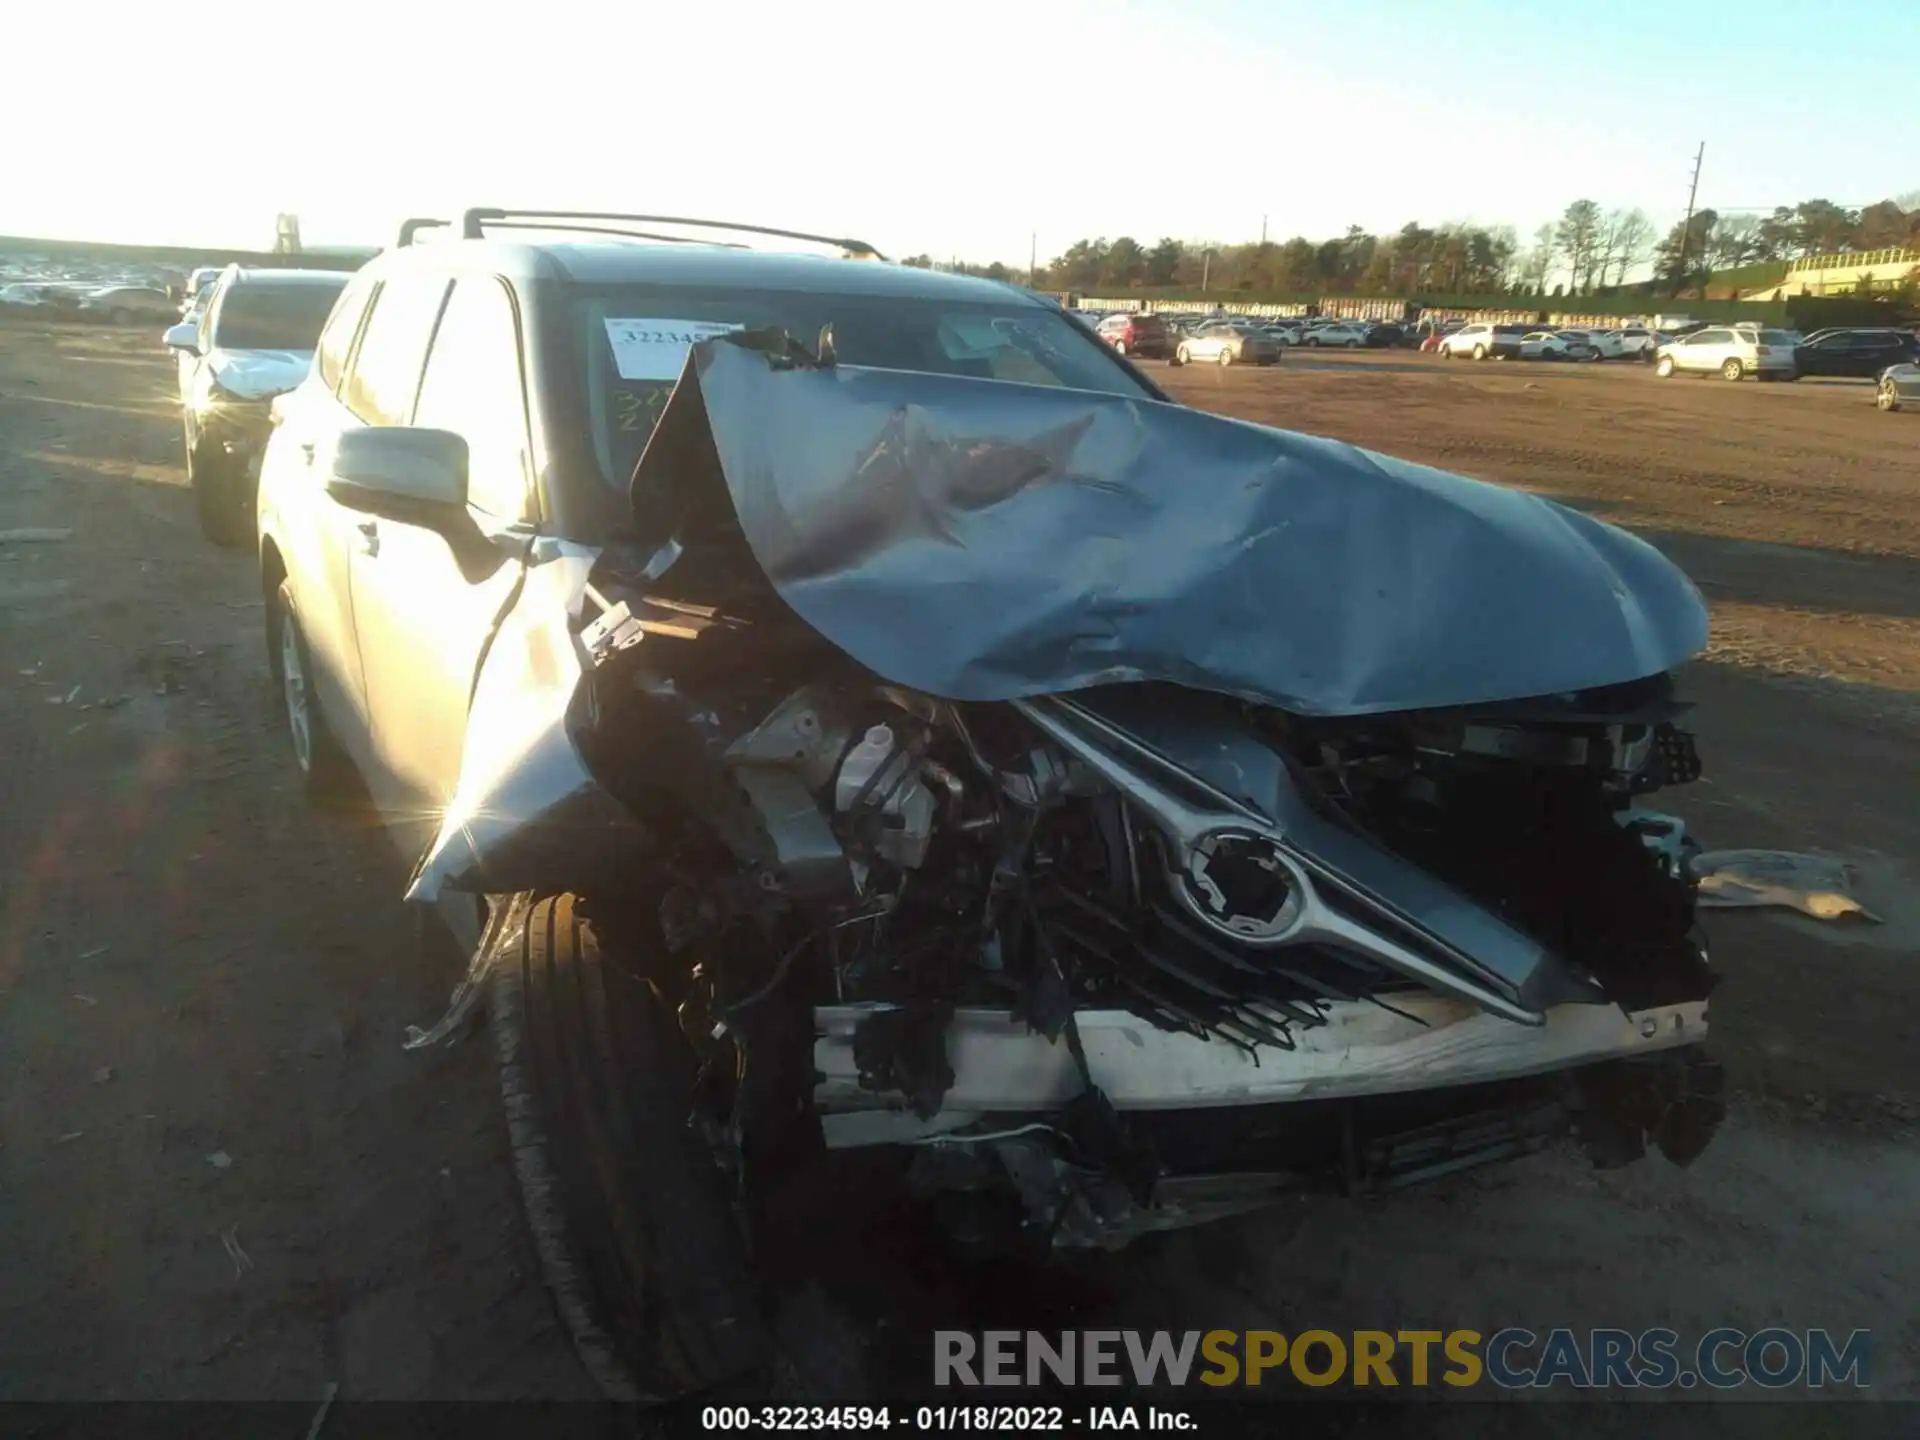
x=1815, y=885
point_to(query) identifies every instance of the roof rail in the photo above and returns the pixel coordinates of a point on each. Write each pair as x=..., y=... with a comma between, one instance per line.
x=411, y=227
x=570, y=225
x=473, y=224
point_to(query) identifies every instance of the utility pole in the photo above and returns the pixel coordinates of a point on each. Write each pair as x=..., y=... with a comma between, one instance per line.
x=1206, y=267
x=1263, y=230
x=1686, y=225
x=1033, y=258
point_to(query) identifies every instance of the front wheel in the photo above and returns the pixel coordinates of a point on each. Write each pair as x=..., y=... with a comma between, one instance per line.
x=1479, y=352
x=1226, y=355
x=1182, y=356
x=1888, y=398
x=323, y=764
x=216, y=484
x=1120, y=347
x=1313, y=342
x=1732, y=370
x=630, y=1215
x=1663, y=367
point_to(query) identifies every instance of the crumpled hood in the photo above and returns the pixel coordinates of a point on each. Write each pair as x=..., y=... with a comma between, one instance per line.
x=982, y=541
x=259, y=374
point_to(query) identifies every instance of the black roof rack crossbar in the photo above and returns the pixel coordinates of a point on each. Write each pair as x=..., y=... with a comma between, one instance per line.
x=570, y=226
x=474, y=221
x=411, y=227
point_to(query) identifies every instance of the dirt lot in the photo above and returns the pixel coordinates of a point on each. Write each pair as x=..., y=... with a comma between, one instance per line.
x=221, y=1177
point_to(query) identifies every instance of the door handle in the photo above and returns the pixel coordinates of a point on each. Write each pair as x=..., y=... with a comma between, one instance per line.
x=306, y=449
x=369, y=537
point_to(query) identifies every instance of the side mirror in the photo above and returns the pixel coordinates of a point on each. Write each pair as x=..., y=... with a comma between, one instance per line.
x=410, y=474
x=185, y=336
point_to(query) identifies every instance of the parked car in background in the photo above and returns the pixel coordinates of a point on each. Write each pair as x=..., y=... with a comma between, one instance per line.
x=1863, y=353
x=1148, y=336
x=127, y=304
x=1483, y=341
x=1898, y=387
x=1386, y=336
x=255, y=341
x=1552, y=345
x=1345, y=334
x=1620, y=344
x=22, y=297
x=1225, y=343
x=1636, y=341
x=1729, y=352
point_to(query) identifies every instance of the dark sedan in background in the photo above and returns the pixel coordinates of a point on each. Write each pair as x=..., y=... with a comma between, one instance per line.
x=1864, y=354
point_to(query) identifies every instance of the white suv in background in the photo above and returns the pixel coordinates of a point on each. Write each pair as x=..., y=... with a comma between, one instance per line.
x=1483, y=341
x=1733, y=352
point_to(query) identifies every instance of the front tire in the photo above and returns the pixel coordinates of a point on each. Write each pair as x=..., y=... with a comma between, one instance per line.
x=1182, y=356
x=1888, y=398
x=1226, y=356
x=1663, y=367
x=1479, y=352
x=630, y=1217
x=323, y=764
x=216, y=482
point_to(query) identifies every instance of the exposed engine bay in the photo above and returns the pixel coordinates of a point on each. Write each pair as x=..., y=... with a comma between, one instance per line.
x=1218, y=869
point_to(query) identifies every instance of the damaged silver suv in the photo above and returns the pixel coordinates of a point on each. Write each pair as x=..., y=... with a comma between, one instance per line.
x=851, y=708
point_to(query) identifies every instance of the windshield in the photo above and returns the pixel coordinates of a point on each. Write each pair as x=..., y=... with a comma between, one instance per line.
x=257, y=316
x=1029, y=344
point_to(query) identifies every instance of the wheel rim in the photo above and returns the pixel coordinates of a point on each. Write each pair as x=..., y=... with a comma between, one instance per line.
x=1226, y=356
x=293, y=678
x=1886, y=395
x=1663, y=367
x=1181, y=355
x=1731, y=369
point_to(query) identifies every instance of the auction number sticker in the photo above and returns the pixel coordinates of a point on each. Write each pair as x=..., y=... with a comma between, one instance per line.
x=657, y=349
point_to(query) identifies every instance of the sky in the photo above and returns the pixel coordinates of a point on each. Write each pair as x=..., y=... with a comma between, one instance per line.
x=956, y=130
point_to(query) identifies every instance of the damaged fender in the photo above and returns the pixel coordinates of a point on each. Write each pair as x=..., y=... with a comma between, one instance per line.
x=527, y=813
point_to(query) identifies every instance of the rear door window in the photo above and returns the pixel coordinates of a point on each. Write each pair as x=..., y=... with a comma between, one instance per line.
x=385, y=375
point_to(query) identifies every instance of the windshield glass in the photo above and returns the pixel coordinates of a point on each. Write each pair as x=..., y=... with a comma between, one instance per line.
x=274, y=317
x=1029, y=344
x=1775, y=337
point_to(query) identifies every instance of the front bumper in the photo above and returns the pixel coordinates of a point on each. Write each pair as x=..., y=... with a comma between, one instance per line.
x=1000, y=1066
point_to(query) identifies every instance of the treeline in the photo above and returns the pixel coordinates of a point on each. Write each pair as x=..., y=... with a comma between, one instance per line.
x=1588, y=250
x=1713, y=241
